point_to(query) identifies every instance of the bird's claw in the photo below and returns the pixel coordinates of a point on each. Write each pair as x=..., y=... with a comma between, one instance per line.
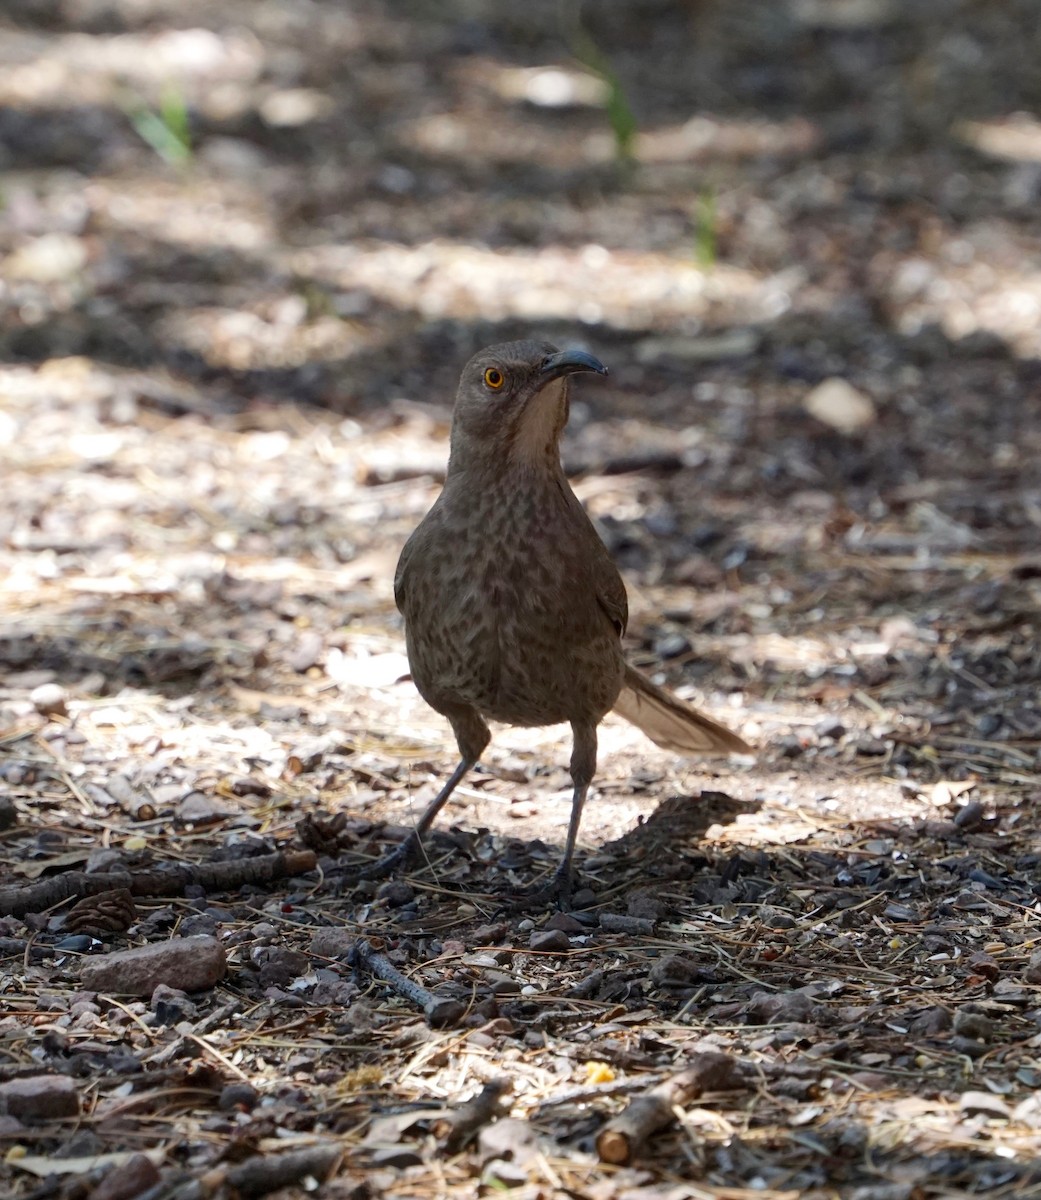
x=558, y=891
x=401, y=856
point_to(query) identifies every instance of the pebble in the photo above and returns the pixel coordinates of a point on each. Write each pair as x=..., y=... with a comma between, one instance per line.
x=238, y=1096
x=566, y=923
x=789, y=746
x=969, y=816
x=836, y=402
x=49, y=700
x=984, y=1104
x=871, y=746
x=396, y=892
x=127, y=1179
x=672, y=645
x=550, y=941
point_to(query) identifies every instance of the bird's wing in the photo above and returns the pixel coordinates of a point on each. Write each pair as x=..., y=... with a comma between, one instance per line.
x=608, y=585
x=595, y=558
x=401, y=572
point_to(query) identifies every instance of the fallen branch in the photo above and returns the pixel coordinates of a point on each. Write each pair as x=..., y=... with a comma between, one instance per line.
x=459, y=1126
x=439, y=1011
x=622, y=1138
x=267, y=1172
x=164, y=879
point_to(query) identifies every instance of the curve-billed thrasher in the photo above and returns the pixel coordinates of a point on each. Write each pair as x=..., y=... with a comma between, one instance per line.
x=513, y=608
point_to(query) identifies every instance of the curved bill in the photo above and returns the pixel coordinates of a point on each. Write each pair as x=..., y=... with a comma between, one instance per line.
x=569, y=362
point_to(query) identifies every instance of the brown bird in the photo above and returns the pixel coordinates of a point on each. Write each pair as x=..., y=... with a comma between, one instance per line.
x=513, y=609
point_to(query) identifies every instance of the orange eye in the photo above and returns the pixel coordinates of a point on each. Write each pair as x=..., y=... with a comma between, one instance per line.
x=494, y=379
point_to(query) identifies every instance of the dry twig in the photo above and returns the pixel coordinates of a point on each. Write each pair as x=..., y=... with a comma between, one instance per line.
x=622, y=1138
x=439, y=1011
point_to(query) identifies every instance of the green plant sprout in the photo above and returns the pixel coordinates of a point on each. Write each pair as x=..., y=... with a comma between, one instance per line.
x=619, y=111
x=166, y=129
x=706, y=223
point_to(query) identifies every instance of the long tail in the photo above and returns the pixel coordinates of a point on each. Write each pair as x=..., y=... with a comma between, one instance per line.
x=672, y=723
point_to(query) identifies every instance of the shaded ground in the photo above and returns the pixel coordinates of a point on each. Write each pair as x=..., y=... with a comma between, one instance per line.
x=223, y=406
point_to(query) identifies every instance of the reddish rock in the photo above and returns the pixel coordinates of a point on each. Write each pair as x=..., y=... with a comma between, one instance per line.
x=191, y=964
x=40, y=1098
x=127, y=1180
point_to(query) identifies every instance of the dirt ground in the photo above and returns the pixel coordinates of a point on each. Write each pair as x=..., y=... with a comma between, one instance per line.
x=244, y=251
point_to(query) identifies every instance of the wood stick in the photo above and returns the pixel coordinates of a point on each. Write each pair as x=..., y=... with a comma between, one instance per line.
x=459, y=1126
x=266, y=1172
x=163, y=879
x=439, y=1011
x=622, y=1138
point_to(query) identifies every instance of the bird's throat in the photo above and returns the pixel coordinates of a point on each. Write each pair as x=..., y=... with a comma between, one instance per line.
x=536, y=436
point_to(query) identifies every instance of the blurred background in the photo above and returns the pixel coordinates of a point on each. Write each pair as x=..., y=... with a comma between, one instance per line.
x=245, y=249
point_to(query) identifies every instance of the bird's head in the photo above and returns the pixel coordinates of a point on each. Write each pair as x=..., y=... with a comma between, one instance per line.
x=512, y=403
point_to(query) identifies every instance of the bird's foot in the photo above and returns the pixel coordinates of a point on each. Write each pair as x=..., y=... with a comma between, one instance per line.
x=396, y=859
x=556, y=892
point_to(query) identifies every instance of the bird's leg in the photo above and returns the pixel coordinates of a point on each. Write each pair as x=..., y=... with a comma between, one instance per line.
x=409, y=848
x=472, y=735
x=583, y=768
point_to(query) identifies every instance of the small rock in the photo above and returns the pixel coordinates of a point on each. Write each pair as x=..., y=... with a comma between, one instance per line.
x=40, y=1098
x=49, y=700
x=646, y=907
x=973, y=1025
x=489, y=935
x=769, y=1008
x=127, y=1180
x=789, y=746
x=306, y=653
x=332, y=943
x=549, y=941
x=872, y=746
x=969, y=816
x=1032, y=972
x=1028, y=1111
x=566, y=923
x=396, y=892
x=279, y=965
x=988, y=724
x=192, y=964
x=984, y=1104
x=672, y=970
x=836, y=402
x=238, y=1097
x=985, y=965
x=246, y=785
x=398, y=1157
x=52, y=258
x=199, y=809
x=777, y=918
x=442, y=1012
x=899, y=912
x=931, y=1022
x=171, y=1005
x=830, y=727
x=502, y=984
x=672, y=645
